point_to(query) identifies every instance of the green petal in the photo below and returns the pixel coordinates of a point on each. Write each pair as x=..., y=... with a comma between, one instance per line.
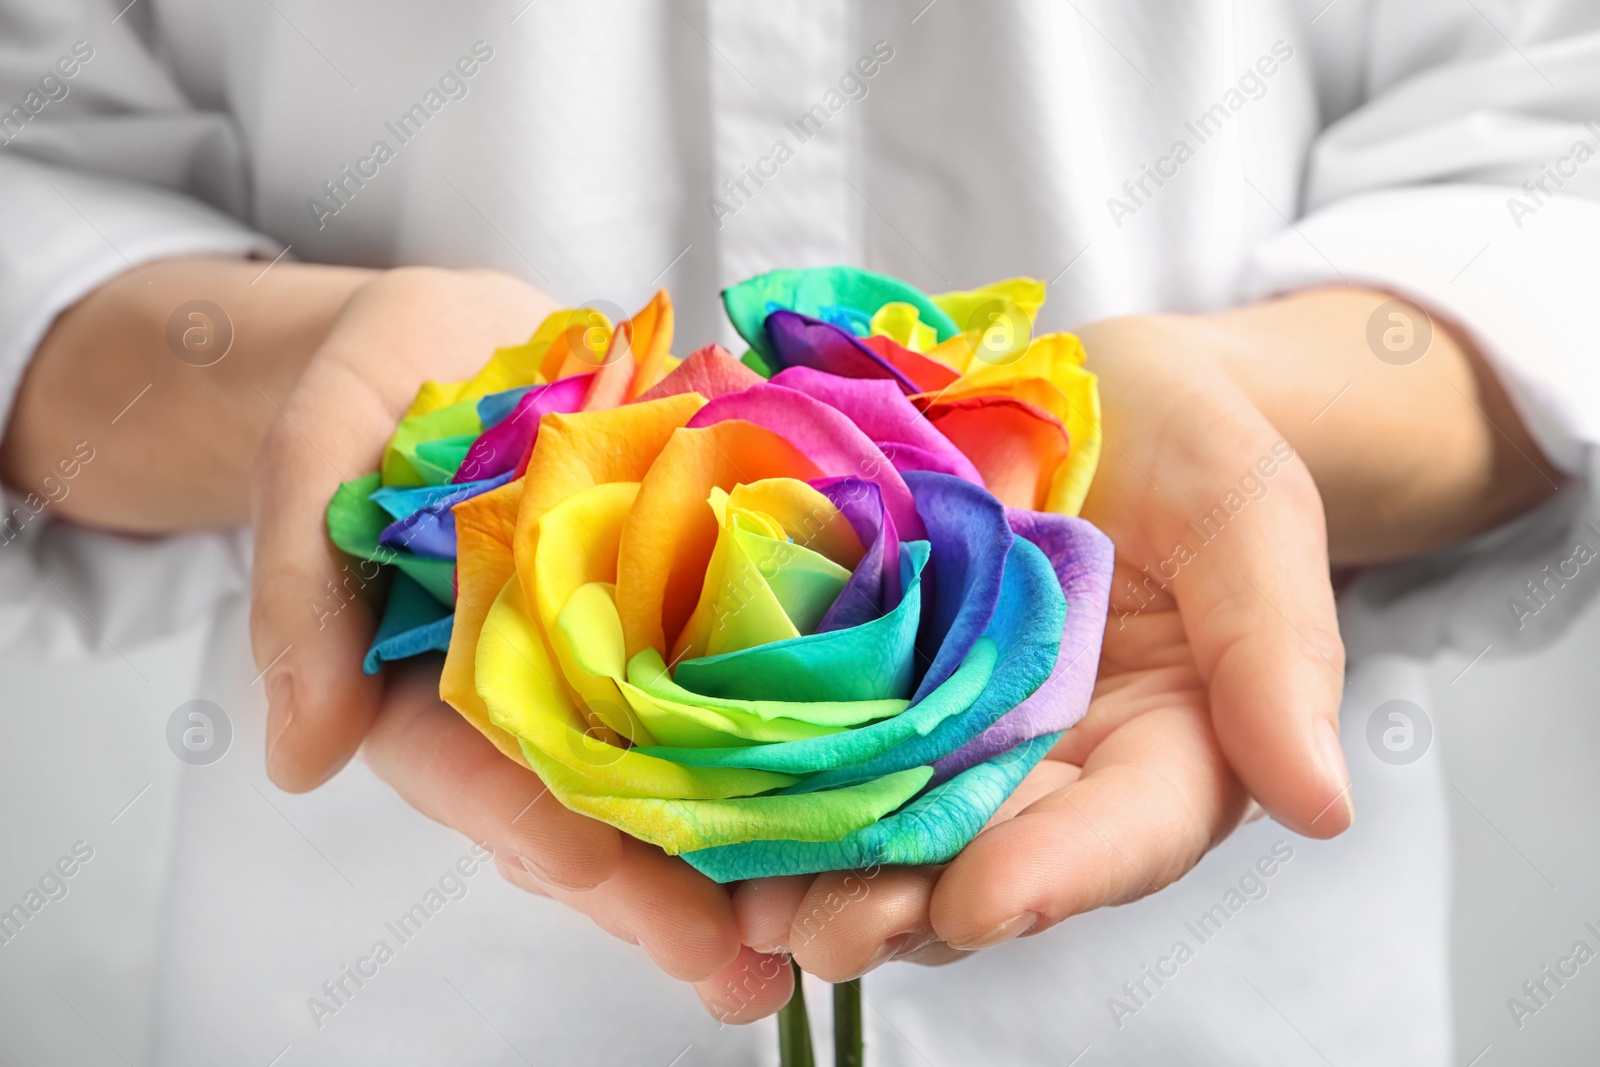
x=810, y=291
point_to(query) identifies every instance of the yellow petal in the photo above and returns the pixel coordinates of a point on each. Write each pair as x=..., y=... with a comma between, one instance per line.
x=902, y=324
x=577, y=452
x=516, y=677
x=670, y=534
x=577, y=553
x=484, y=528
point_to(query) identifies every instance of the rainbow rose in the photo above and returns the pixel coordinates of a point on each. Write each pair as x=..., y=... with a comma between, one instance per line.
x=815, y=609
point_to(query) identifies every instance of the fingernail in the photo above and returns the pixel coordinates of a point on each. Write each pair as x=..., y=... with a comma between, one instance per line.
x=280, y=712
x=886, y=951
x=546, y=877
x=1335, y=776
x=1015, y=926
x=777, y=948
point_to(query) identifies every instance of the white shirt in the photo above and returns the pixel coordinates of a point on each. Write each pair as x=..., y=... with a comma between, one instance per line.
x=1137, y=155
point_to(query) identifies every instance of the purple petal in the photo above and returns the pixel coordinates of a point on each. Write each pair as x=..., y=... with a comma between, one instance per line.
x=970, y=538
x=874, y=587
x=431, y=531
x=1082, y=557
x=801, y=341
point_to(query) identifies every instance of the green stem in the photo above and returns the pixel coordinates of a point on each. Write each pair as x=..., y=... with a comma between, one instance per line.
x=794, y=1029
x=847, y=1050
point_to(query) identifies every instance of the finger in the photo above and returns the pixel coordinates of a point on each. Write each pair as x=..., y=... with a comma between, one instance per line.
x=310, y=619
x=889, y=920
x=753, y=986
x=850, y=922
x=764, y=908
x=1258, y=606
x=682, y=920
x=888, y=908
x=1153, y=798
x=446, y=769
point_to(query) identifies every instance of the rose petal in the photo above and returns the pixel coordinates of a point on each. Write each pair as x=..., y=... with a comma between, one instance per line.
x=971, y=540
x=929, y=375
x=429, y=530
x=799, y=341
x=709, y=371
x=809, y=291
x=1082, y=558
x=671, y=531
x=1016, y=446
x=874, y=585
x=873, y=661
x=504, y=446
x=826, y=436
x=931, y=829
x=651, y=331
x=1026, y=629
x=883, y=413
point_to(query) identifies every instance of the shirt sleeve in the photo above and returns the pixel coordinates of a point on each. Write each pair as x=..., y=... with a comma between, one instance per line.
x=106, y=164
x=1463, y=173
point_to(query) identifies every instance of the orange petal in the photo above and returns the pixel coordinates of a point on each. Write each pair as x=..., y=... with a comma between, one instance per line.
x=1016, y=446
x=611, y=381
x=577, y=452
x=669, y=536
x=581, y=345
x=652, y=342
x=485, y=526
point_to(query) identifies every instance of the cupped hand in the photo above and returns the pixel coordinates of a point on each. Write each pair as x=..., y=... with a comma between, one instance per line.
x=312, y=619
x=1219, y=681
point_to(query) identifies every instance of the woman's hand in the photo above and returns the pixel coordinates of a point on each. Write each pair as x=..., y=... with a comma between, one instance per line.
x=401, y=328
x=1219, y=679
x=1222, y=668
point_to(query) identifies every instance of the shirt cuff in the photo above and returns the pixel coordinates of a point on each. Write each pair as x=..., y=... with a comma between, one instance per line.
x=1521, y=283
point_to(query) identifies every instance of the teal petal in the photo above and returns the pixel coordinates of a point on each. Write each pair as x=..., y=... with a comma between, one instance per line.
x=931, y=829
x=836, y=291
x=872, y=661
x=413, y=623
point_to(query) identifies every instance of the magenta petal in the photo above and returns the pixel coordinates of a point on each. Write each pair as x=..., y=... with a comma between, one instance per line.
x=501, y=447
x=826, y=436
x=885, y=415
x=1082, y=557
x=801, y=341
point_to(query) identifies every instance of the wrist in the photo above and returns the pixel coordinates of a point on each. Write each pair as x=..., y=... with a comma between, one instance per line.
x=170, y=374
x=1407, y=457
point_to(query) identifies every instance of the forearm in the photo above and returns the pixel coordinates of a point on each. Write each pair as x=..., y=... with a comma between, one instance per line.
x=125, y=371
